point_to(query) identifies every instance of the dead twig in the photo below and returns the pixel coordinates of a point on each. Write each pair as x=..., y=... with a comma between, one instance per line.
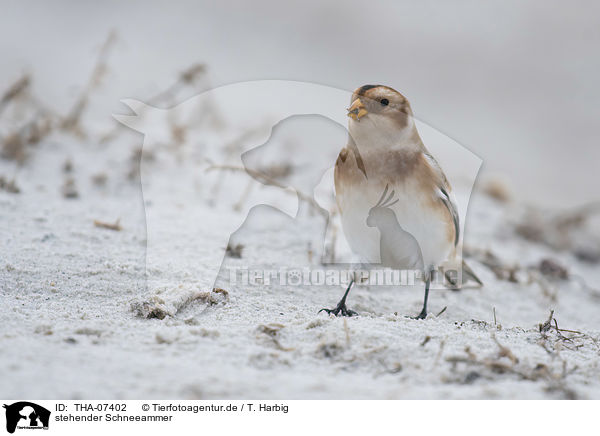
x=9, y=186
x=234, y=250
x=15, y=144
x=505, y=352
x=69, y=189
x=501, y=270
x=555, y=381
x=167, y=97
x=14, y=91
x=575, y=340
x=262, y=178
x=185, y=78
x=547, y=324
x=272, y=331
x=563, y=231
x=72, y=121
x=116, y=226
x=577, y=216
x=439, y=353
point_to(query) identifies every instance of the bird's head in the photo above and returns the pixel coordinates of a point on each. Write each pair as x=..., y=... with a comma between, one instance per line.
x=379, y=113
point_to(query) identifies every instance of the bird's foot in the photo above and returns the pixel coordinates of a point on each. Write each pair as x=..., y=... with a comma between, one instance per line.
x=340, y=309
x=421, y=315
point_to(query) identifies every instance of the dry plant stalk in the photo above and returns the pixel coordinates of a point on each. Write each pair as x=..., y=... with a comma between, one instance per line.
x=573, y=342
x=156, y=307
x=138, y=154
x=272, y=332
x=266, y=180
x=505, y=352
x=14, y=145
x=231, y=149
x=559, y=231
x=14, y=91
x=329, y=254
x=9, y=185
x=116, y=226
x=234, y=250
x=497, y=190
x=72, y=121
x=186, y=78
x=167, y=97
x=99, y=179
x=577, y=216
x=441, y=311
x=69, y=190
x=487, y=258
x=547, y=324
x=555, y=381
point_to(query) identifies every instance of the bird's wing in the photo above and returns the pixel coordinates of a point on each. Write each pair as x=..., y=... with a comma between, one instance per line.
x=444, y=193
x=453, y=211
x=359, y=161
x=447, y=199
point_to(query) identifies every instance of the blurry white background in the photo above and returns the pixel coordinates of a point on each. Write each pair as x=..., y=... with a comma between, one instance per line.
x=516, y=82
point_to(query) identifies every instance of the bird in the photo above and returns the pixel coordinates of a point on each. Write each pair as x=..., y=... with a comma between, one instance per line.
x=384, y=151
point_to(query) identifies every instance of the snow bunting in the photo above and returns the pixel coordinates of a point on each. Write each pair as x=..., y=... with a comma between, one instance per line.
x=396, y=205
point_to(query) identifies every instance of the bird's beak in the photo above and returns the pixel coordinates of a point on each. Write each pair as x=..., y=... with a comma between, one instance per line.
x=357, y=110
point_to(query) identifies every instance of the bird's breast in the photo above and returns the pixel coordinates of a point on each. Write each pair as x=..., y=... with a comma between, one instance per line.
x=416, y=212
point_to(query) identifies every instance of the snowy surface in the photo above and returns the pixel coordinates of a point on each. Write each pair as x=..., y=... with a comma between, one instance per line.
x=83, y=317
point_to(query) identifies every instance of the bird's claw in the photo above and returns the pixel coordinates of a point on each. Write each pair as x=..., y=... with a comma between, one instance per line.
x=340, y=309
x=421, y=315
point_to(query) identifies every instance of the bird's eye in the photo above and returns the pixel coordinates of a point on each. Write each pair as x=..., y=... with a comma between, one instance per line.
x=384, y=102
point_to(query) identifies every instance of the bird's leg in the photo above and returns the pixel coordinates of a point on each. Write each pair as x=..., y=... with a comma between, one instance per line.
x=423, y=313
x=341, y=306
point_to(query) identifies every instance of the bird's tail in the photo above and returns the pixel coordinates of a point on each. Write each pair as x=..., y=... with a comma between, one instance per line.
x=467, y=276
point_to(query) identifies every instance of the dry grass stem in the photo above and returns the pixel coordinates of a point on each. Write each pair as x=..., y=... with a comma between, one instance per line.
x=262, y=178
x=14, y=91
x=72, y=121
x=116, y=226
